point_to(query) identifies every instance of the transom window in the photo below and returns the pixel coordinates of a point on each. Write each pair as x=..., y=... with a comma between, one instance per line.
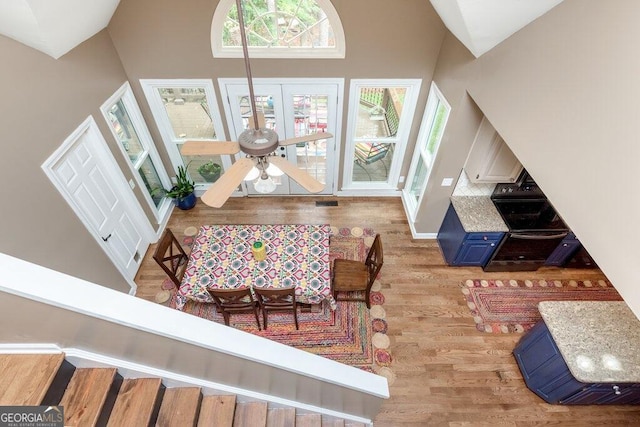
x=278, y=29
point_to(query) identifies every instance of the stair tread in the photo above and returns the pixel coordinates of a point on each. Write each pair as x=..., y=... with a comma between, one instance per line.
x=217, y=411
x=180, y=407
x=136, y=402
x=308, y=420
x=25, y=378
x=281, y=417
x=250, y=414
x=86, y=394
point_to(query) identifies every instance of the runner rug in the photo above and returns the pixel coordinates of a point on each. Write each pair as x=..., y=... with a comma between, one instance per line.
x=503, y=306
x=352, y=334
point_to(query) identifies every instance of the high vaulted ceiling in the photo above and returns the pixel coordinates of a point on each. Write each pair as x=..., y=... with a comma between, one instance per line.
x=57, y=26
x=54, y=26
x=482, y=24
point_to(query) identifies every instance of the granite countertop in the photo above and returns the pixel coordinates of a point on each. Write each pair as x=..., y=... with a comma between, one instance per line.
x=478, y=214
x=599, y=340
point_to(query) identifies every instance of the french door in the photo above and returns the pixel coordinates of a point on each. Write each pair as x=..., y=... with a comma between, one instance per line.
x=293, y=108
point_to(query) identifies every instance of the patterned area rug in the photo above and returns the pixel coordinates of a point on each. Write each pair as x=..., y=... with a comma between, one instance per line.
x=352, y=334
x=503, y=306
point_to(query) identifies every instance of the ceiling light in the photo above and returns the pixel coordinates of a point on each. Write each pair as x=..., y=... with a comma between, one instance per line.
x=253, y=174
x=265, y=185
x=273, y=170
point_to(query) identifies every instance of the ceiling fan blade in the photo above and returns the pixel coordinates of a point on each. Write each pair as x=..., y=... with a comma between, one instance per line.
x=222, y=189
x=298, y=175
x=306, y=138
x=200, y=148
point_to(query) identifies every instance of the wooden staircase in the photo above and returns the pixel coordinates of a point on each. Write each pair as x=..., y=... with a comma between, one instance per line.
x=101, y=397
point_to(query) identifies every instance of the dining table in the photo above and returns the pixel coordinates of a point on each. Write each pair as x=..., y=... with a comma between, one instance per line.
x=222, y=258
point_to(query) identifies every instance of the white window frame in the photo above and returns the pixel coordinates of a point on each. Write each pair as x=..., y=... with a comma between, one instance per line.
x=220, y=51
x=150, y=88
x=434, y=100
x=389, y=187
x=124, y=93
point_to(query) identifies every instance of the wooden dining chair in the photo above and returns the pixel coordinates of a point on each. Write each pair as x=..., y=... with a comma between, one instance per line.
x=170, y=255
x=276, y=299
x=350, y=275
x=229, y=301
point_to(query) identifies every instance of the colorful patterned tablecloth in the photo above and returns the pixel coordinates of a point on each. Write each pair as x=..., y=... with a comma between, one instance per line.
x=221, y=258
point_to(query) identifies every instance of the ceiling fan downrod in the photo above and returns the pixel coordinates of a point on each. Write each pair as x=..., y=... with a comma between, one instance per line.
x=245, y=52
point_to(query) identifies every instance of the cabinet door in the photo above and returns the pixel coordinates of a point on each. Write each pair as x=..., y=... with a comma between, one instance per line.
x=564, y=251
x=617, y=394
x=477, y=248
x=490, y=159
x=451, y=235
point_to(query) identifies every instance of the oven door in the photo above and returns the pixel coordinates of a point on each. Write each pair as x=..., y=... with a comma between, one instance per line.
x=526, y=251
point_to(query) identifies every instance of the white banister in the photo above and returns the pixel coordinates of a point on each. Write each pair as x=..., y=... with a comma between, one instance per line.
x=42, y=305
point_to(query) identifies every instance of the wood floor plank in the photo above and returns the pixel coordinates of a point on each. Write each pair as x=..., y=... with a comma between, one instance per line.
x=437, y=352
x=217, y=411
x=25, y=378
x=180, y=407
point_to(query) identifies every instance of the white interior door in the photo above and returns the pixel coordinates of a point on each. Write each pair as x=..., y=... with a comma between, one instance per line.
x=87, y=175
x=291, y=109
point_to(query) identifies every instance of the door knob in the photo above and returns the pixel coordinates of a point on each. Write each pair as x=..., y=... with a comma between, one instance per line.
x=106, y=238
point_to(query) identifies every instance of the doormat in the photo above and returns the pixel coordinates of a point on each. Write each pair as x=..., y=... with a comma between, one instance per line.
x=504, y=306
x=352, y=334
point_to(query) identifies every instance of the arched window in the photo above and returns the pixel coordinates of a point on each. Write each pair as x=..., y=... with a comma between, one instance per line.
x=279, y=29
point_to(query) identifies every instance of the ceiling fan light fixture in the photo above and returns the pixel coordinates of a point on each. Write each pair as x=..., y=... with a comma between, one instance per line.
x=254, y=173
x=273, y=170
x=265, y=186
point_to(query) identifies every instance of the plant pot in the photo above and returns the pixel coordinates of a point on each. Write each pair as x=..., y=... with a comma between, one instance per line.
x=186, y=203
x=210, y=177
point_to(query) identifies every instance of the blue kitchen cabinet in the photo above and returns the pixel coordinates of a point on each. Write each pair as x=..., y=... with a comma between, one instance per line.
x=546, y=374
x=565, y=250
x=460, y=247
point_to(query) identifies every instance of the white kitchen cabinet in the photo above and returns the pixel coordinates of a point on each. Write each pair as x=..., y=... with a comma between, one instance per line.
x=490, y=159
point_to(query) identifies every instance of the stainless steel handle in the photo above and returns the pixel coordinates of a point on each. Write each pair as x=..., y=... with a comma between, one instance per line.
x=616, y=389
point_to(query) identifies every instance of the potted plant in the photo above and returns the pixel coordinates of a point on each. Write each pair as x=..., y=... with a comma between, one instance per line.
x=210, y=171
x=182, y=192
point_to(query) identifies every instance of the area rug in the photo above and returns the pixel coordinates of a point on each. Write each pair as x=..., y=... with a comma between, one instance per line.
x=503, y=306
x=352, y=334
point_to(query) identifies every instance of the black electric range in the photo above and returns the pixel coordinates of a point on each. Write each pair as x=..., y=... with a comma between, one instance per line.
x=535, y=228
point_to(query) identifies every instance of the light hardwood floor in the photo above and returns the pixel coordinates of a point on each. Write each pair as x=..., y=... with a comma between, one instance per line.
x=448, y=373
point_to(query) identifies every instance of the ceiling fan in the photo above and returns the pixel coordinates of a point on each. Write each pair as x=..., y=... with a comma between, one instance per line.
x=259, y=144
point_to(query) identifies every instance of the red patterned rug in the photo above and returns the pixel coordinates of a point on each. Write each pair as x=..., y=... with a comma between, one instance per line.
x=352, y=334
x=502, y=306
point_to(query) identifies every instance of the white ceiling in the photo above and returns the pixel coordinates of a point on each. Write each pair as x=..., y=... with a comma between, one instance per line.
x=57, y=26
x=54, y=26
x=482, y=24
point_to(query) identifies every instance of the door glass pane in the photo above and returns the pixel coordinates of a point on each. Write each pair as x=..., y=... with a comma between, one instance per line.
x=127, y=136
x=152, y=181
x=264, y=105
x=310, y=113
x=188, y=112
